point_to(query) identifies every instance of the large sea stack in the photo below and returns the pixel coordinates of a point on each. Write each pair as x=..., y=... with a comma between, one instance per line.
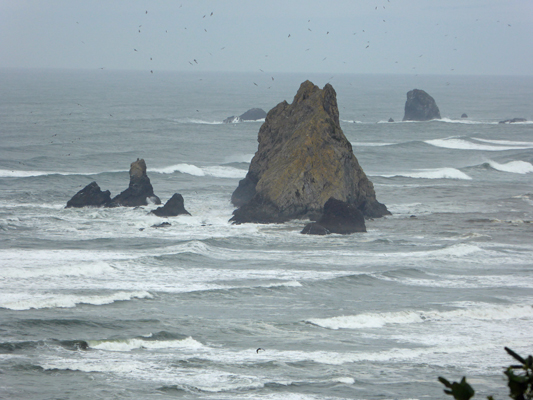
x=303, y=159
x=90, y=196
x=420, y=106
x=140, y=190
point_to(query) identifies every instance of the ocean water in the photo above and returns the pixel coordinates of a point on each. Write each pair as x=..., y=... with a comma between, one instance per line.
x=98, y=304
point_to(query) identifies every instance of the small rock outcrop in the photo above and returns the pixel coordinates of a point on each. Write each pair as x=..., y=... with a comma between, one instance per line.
x=391, y=120
x=302, y=160
x=140, y=190
x=512, y=121
x=338, y=217
x=253, y=114
x=420, y=106
x=464, y=115
x=173, y=207
x=90, y=196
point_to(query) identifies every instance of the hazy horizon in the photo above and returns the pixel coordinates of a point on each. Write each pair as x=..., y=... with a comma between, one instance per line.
x=369, y=37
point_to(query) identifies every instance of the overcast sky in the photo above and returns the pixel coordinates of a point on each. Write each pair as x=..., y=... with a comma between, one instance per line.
x=335, y=36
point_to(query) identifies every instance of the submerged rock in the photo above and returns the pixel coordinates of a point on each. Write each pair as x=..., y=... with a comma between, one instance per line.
x=464, y=115
x=140, y=190
x=173, y=207
x=512, y=121
x=391, y=120
x=420, y=106
x=338, y=217
x=90, y=196
x=253, y=114
x=302, y=160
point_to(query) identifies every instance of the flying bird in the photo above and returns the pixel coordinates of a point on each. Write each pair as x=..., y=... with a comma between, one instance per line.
x=256, y=84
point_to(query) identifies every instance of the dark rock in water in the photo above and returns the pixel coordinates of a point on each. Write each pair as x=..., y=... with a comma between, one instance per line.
x=391, y=120
x=173, y=207
x=162, y=225
x=338, y=217
x=139, y=190
x=232, y=120
x=252, y=114
x=90, y=196
x=303, y=159
x=464, y=116
x=512, y=121
x=314, y=228
x=420, y=106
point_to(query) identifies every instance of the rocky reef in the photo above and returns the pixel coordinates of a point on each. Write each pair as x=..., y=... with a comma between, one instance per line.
x=303, y=159
x=420, y=106
x=173, y=207
x=338, y=217
x=140, y=190
x=252, y=114
x=90, y=196
x=513, y=121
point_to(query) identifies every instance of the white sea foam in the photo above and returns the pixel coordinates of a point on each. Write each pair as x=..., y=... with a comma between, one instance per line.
x=351, y=121
x=197, y=121
x=461, y=144
x=6, y=173
x=130, y=344
x=27, y=301
x=437, y=173
x=216, y=171
x=516, y=167
x=466, y=121
x=344, y=379
x=378, y=320
x=371, y=144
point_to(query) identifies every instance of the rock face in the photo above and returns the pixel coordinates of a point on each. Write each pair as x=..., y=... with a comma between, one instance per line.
x=302, y=160
x=338, y=217
x=139, y=190
x=175, y=206
x=90, y=196
x=253, y=114
x=512, y=121
x=420, y=106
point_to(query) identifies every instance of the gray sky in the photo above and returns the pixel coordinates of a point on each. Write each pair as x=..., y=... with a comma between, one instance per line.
x=365, y=36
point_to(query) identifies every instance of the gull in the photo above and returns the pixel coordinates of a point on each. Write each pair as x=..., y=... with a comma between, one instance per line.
x=256, y=84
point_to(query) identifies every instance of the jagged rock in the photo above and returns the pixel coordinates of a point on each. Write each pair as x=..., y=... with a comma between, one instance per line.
x=420, y=106
x=173, y=207
x=253, y=114
x=338, y=217
x=162, y=225
x=464, y=115
x=139, y=190
x=302, y=160
x=90, y=196
x=391, y=120
x=512, y=121
x=232, y=120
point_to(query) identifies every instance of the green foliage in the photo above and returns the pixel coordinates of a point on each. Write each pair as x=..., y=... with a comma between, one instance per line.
x=519, y=377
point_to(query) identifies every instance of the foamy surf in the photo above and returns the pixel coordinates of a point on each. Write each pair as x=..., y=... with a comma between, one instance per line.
x=515, y=167
x=215, y=171
x=437, y=173
x=378, y=320
x=130, y=344
x=27, y=301
x=461, y=144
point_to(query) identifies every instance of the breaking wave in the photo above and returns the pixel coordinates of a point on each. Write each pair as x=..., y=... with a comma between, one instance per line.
x=438, y=173
x=515, y=167
x=461, y=144
x=190, y=169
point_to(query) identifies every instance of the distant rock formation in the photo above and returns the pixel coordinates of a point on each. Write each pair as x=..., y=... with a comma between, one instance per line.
x=90, y=196
x=173, y=207
x=140, y=189
x=512, y=121
x=420, y=106
x=338, y=217
x=252, y=114
x=302, y=160
x=391, y=120
x=464, y=115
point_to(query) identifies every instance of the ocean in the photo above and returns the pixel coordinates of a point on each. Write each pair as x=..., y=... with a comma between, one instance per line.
x=99, y=304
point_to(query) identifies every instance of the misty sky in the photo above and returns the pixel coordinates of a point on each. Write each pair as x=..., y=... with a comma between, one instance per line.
x=336, y=36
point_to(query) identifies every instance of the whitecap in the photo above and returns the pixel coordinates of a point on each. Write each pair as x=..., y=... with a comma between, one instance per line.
x=504, y=142
x=130, y=344
x=50, y=300
x=11, y=173
x=215, y=171
x=371, y=144
x=438, y=173
x=516, y=167
x=465, y=121
x=197, y=121
x=461, y=144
